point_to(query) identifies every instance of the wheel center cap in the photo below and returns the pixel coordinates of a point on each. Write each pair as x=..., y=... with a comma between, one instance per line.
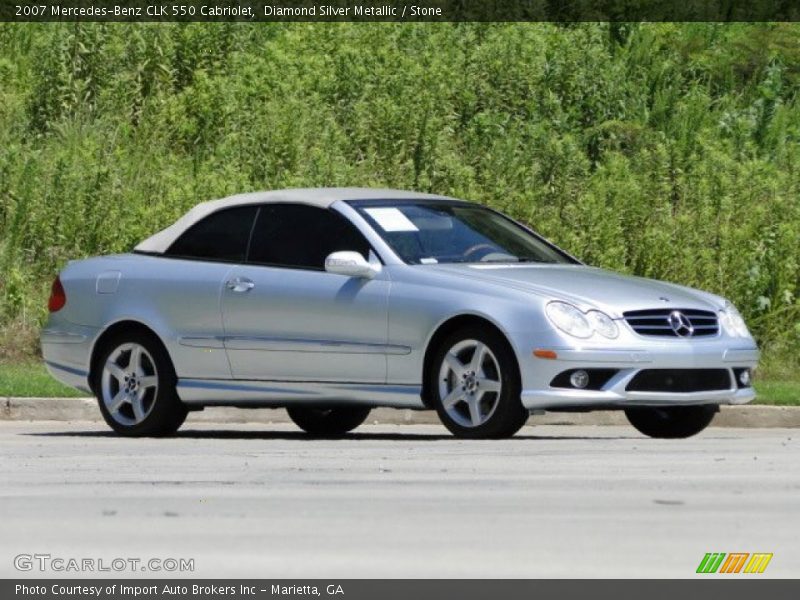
x=471, y=381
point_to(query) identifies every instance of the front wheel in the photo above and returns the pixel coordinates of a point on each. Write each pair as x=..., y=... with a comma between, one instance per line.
x=328, y=422
x=475, y=385
x=671, y=422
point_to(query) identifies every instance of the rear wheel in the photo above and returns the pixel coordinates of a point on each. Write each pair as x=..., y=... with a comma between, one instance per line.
x=333, y=422
x=671, y=422
x=475, y=385
x=135, y=386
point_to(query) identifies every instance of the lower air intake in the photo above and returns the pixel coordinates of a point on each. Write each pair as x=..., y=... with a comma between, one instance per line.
x=680, y=380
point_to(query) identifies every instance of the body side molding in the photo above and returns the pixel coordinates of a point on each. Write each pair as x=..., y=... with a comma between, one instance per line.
x=214, y=392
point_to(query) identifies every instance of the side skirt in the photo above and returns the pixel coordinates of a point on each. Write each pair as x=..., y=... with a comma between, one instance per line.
x=215, y=392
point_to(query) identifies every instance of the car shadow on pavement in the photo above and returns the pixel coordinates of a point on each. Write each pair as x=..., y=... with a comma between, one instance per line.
x=232, y=434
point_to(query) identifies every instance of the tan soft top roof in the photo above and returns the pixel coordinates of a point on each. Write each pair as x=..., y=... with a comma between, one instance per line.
x=322, y=197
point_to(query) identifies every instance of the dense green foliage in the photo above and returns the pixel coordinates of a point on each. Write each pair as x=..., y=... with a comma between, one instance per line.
x=668, y=150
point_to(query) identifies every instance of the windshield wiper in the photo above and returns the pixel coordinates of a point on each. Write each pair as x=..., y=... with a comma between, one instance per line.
x=513, y=261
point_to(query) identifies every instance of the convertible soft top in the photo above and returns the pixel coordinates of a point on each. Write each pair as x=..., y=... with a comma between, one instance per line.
x=322, y=197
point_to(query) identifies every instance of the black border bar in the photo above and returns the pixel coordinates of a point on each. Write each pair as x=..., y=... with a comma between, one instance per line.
x=564, y=11
x=707, y=588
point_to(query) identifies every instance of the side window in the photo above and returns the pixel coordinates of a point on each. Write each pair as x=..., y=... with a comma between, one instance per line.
x=301, y=236
x=221, y=236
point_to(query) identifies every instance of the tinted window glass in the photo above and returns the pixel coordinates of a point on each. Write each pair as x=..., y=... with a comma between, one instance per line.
x=221, y=236
x=300, y=236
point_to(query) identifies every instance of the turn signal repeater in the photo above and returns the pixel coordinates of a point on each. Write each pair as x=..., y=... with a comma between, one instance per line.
x=547, y=354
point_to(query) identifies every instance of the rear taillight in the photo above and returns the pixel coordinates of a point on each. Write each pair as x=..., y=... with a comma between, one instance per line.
x=58, y=298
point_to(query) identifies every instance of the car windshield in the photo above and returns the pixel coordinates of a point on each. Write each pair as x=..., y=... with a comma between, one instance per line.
x=430, y=232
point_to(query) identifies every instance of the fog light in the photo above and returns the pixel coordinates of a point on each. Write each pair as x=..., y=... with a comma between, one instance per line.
x=579, y=379
x=744, y=377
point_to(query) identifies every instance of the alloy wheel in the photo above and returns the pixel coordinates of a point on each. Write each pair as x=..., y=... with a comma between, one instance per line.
x=129, y=384
x=470, y=383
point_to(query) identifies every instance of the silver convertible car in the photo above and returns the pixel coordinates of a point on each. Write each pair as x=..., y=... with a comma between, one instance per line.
x=329, y=302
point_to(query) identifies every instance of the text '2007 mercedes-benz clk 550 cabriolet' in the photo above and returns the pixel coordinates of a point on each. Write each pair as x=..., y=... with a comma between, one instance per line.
x=329, y=302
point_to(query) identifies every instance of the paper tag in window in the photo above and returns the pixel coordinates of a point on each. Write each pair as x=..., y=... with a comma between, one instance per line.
x=391, y=219
x=428, y=261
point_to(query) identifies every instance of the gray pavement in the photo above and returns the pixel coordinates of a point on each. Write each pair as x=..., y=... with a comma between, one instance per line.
x=401, y=501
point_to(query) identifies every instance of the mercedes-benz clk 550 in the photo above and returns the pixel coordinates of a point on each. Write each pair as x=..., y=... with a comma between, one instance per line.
x=329, y=302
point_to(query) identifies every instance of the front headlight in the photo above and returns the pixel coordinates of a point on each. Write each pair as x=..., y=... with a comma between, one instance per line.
x=603, y=324
x=733, y=322
x=571, y=320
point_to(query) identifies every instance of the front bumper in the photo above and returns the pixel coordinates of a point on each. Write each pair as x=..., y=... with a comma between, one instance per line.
x=539, y=394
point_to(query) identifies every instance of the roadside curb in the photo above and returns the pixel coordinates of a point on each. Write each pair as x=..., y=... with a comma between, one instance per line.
x=85, y=409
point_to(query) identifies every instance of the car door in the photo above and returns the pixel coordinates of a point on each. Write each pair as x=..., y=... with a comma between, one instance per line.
x=187, y=289
x=286, y=318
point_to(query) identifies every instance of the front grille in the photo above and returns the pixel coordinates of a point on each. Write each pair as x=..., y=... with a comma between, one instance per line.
x=672, y=322
x=680, y=380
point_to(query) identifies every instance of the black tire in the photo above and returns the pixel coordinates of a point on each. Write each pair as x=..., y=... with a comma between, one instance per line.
x=328, y=422
x=508, y=415
x=166, y=413
x=672, y=422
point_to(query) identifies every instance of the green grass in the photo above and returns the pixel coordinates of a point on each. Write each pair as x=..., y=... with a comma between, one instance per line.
x=32, y=380
x=783, y=393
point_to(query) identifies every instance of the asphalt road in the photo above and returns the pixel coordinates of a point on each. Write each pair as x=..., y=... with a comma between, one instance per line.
x=401, y=501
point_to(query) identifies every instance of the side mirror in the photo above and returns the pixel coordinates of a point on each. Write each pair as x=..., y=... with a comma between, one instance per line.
x=351, y=264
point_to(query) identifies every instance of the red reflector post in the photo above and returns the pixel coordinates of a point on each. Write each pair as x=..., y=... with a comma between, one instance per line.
x=58, y=298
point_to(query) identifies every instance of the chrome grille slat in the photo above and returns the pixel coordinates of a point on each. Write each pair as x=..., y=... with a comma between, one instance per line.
x=655, y=321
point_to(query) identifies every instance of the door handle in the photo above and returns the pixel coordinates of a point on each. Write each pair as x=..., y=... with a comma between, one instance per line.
x=240, y=284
